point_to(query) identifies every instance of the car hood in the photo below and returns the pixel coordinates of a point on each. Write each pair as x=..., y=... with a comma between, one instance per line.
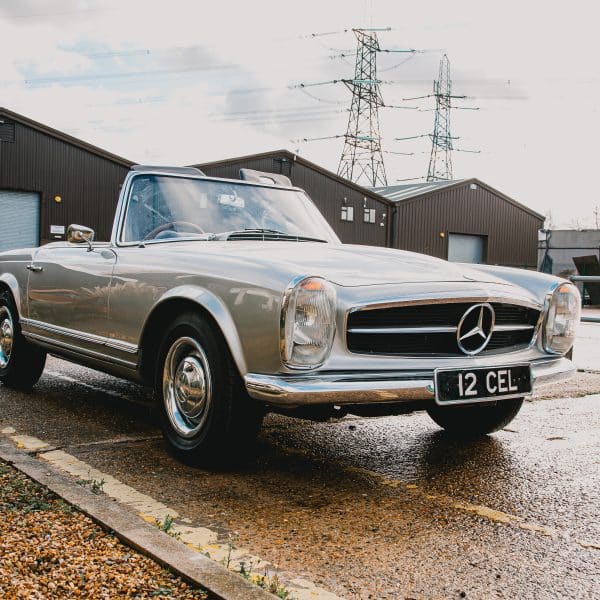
x=343, y=264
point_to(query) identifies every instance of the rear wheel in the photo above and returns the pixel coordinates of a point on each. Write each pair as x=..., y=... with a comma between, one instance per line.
x=21, y=363
x=206, y=415
x=472, y=420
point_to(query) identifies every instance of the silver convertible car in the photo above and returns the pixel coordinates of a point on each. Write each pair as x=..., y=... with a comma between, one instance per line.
x=235, y=298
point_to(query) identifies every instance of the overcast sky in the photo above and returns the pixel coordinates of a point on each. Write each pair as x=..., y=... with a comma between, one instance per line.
x=184, y=81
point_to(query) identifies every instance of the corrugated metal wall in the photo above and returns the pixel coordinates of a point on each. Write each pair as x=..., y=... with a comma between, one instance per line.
x=87, y=183
x=327, y=193
x=511, y=231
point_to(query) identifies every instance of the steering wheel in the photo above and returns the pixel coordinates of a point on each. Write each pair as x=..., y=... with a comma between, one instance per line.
x=268, y=218
x=173, y=226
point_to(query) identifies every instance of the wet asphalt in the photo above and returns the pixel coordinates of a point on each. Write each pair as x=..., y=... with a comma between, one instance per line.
x=367, y=508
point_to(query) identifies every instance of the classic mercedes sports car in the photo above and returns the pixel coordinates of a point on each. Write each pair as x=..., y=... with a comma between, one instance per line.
x=235, y=298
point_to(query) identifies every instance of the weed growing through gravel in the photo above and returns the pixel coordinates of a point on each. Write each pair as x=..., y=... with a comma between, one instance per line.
x=96, y=486
x=226, y=562
x=166, y=525
x=267, y=582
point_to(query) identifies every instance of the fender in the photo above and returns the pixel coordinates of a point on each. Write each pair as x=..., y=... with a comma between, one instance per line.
x=12, y=283
x=539, y=284
x=216, y=308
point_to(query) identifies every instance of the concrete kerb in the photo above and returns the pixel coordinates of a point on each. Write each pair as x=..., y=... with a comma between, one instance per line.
x=151, y=541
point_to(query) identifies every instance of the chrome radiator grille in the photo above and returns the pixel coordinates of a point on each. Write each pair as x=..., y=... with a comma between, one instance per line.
x=431, y=329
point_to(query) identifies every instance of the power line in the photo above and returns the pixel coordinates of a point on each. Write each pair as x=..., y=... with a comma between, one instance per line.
x=316, y=139
x=361, y=160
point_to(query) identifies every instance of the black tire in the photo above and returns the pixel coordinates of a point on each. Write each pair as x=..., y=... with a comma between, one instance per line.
x=21, y=363
x=215, y=431
x=472, y=420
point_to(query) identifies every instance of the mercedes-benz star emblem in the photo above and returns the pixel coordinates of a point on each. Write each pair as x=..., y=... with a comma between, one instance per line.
x=475, y=328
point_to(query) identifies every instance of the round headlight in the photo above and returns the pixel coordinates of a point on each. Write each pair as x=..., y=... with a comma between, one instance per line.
x=562, y=319
x=307, y=323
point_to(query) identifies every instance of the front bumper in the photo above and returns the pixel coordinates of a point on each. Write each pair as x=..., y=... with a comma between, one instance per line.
x=364, y=388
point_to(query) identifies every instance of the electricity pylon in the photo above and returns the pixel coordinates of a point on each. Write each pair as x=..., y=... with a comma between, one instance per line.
x=440, y=160
x=362, y=157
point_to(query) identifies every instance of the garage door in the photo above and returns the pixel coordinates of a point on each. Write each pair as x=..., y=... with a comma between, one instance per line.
x=466, y=248
x=19, y=220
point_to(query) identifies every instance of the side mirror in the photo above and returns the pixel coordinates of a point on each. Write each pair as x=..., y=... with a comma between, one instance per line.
x=78, y=234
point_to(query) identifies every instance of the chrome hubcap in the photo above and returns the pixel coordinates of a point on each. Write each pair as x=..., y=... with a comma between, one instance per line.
x=6, y=336
x=187, y=387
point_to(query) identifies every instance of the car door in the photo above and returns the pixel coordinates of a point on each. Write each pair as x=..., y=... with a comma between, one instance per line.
x=68, y=293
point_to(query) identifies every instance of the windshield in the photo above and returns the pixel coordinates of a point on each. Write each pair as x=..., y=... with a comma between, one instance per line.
x=162, y=207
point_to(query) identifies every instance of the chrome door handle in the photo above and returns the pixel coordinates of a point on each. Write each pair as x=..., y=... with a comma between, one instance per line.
x=34, y=269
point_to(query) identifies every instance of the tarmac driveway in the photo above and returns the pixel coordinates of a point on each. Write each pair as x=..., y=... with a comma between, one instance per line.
x=365, y=508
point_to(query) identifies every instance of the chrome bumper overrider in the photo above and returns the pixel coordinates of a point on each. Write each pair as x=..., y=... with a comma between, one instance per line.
x=365, y=388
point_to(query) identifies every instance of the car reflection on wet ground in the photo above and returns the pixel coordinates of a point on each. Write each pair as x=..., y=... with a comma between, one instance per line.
x=387, y=507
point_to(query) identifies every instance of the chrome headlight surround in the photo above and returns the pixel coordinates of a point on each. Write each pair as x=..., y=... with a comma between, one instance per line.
x=307, y=326
x=562, y=318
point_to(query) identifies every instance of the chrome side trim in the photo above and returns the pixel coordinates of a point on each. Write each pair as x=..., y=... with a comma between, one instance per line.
x=51, y=343
x=80, y=335
x=366, y=388
x=123, y=346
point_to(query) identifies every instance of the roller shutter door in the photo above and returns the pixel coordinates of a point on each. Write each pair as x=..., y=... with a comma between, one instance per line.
x=466, y=248
x=19, y=220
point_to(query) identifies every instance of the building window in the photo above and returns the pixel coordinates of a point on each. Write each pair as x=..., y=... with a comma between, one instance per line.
x=347, y=213
x=370, y=215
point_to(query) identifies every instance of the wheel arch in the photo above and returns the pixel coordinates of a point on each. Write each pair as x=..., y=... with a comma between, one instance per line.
x=174, y=303
x=10, y=283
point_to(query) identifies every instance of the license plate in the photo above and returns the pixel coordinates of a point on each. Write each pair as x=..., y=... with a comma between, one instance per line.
x=479, y=385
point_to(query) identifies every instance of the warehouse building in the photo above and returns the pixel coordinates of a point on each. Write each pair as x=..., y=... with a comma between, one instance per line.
x=49, y=179
x=566, y=252
x=464, y=221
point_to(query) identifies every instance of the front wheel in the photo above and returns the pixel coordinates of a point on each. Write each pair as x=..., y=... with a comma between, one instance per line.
x=472, y=420
x=21, y=363
x=206, y=415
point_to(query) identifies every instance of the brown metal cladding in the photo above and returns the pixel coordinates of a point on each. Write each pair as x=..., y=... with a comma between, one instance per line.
x=50, y=163
x=511, y=229
x=88, y=180
x=326, y=189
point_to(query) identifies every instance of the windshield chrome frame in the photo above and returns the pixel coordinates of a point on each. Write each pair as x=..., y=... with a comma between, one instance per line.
x=124, y=199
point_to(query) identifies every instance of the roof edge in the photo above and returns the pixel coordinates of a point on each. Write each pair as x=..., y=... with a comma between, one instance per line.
x=466, y=181
x=65, y=137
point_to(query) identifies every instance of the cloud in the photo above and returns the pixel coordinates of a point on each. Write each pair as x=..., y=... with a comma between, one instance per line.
x=178, y=83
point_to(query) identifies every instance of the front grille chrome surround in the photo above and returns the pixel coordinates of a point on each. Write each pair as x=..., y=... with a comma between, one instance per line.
x=429, y=328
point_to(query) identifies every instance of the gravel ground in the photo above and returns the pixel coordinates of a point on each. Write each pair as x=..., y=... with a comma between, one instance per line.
x=49, y=550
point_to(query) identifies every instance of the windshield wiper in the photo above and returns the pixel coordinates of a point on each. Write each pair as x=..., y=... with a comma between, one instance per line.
x=265, y=235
